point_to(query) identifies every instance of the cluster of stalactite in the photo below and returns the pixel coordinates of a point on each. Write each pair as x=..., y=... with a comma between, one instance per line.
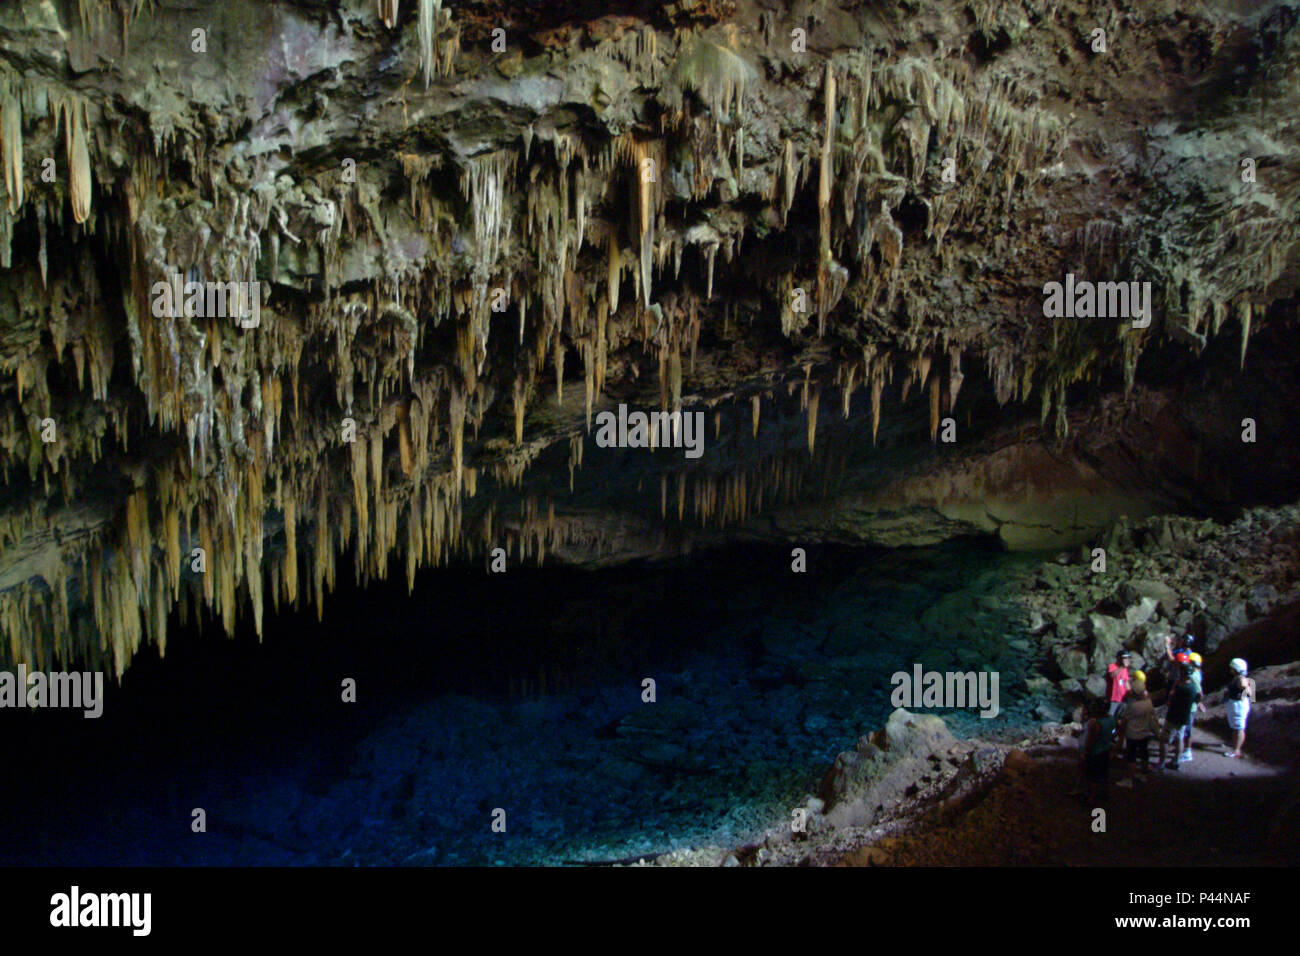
x=338, y=424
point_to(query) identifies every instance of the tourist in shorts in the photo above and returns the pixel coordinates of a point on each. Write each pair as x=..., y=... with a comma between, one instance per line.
x=1178, y=715
x=1194, y=659
x=1238, y=696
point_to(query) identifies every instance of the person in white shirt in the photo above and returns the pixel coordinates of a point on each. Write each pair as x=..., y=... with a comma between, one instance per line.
x=1239, y=695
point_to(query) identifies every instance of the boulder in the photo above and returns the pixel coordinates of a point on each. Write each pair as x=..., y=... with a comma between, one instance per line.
x=1215, y=636
x=878, y=771
x=1141, y=612
x=1235, y=616
x=854, y=770
x=1261, y=600
x=1051, y=577
x=1132, y=592
x=1049, y=713
x=1151, y=642
x=1017, y=761
x=1038, y=685
x=1095, y=685
x=913, y=735
x=1108, y=635
x=1118, y=538
x=1072, y=661
x=1068, y=622
x=1109, y=630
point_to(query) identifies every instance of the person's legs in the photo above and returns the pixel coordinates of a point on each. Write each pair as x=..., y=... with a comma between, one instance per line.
x=1143, y=761
x=1177, y=742
x=1130, y=764
x=1100, y=771
x=1094, y=774
x=1237, y=722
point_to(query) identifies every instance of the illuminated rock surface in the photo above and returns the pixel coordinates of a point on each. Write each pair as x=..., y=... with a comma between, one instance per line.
x=467, y=251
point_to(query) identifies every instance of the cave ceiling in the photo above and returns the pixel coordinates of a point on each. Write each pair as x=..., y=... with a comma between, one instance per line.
x=470, y=228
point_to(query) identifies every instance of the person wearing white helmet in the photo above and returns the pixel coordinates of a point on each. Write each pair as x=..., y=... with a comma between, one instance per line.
x=1239, y=695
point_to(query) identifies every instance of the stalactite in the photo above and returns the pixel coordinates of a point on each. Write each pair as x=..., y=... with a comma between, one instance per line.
x=484, y=185
x=934, y=408
x=789, y=179
x=602, y=345
x=825, y=182
x=519, y=408
x=755, y=405
x=430, y=10
x=613, y=268
x=646, y=205
x=78, y=160
x=1245, y=330
x=11, y=147
x=575, y=457
x=291, y=550
x=388, y=12
x=456, y=407
x=955, y=376
x=1132, y=350
x=558, y=361
x=813, y=401
x=404, y=451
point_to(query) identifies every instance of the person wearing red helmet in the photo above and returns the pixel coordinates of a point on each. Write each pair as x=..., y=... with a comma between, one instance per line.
x=1183, y=700
x=1174, y=647
x=1117, y=682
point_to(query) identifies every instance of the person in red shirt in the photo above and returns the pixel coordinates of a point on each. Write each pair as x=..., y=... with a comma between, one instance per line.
x=1117, y=681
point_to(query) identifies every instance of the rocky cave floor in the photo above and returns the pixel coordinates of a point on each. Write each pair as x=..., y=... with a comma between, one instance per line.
x=1023, y=807
x=912, y=794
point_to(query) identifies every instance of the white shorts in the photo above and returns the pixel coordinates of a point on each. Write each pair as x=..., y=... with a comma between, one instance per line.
x=1238, y=711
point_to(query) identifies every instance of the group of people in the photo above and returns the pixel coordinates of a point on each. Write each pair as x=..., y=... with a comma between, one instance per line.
x=1128, y=717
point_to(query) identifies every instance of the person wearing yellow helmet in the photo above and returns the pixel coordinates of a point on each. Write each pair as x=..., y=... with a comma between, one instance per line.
x=1139, y=676
x=1194, y=659
x=1140, y=726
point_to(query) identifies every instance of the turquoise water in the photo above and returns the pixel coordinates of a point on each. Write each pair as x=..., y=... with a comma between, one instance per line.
x=522, y=702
